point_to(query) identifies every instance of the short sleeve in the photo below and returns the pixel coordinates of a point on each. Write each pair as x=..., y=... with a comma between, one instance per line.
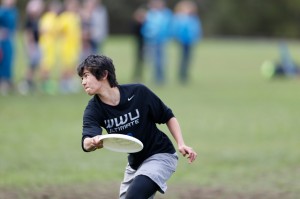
x=159, y=112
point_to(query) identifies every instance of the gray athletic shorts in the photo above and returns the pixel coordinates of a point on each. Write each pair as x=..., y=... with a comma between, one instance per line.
x=158, y=168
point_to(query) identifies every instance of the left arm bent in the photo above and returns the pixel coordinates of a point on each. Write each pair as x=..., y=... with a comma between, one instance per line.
x=175, y=130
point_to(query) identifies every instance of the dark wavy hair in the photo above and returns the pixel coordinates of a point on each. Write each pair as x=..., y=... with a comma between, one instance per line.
x=99, y=65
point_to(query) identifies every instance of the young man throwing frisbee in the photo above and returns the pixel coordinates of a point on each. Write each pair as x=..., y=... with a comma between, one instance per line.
x=133, y=110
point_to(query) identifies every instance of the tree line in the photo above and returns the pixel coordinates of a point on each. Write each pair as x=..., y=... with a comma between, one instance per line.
x=257, y=18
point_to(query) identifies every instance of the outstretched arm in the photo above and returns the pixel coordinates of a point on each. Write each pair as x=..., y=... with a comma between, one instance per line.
x=175, y=130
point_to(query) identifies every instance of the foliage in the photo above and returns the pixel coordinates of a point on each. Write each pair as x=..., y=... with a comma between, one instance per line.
x=269, y=18
x=253, y=17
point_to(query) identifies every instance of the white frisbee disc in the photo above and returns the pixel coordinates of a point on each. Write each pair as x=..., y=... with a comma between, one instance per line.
x=121, y=143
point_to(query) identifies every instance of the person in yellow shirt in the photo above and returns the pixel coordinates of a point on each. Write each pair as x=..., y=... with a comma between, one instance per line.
x=48, y=42
x=69, y=26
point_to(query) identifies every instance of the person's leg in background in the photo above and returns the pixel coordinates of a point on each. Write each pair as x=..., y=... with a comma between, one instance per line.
x=159, y=65
x=185, y=63
x=6, y=78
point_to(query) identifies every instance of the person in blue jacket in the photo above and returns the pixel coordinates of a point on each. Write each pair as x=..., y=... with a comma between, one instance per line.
x=131, y=109
x=187, y=31
x=156, y=32
x=8, y=25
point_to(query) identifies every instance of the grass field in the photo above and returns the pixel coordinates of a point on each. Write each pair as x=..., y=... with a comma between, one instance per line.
x=245, y=129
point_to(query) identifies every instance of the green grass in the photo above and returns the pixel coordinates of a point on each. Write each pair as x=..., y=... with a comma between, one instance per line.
x=245, y=128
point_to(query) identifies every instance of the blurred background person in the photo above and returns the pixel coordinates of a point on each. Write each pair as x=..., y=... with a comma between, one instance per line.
x=49, y=44
x=285, y=67
x=156, y=32
x=138, y=20
x=86, y=43
x=187, y=31
x=69, y=27
x=287, y=63
x=33, y=13
x=98, y=24
x=8, y=26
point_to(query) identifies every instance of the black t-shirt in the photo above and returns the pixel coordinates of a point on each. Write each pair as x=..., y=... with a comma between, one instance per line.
x=136, y=115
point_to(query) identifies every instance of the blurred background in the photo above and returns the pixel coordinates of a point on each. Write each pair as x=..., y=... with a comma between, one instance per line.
x=229, y=70
x=251, y=18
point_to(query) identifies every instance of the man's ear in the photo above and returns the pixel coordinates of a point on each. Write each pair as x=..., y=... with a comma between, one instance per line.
x=105, y=75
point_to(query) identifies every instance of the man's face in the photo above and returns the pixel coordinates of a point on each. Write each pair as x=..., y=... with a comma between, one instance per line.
x=90, y=84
